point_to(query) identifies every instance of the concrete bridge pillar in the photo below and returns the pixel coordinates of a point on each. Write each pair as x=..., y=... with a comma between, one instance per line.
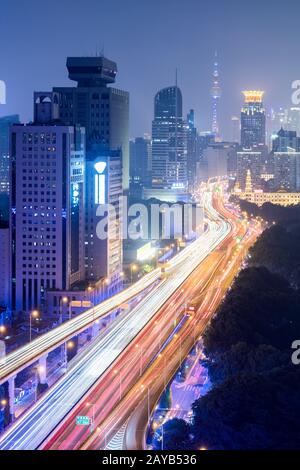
x=11, y=397
x=95, y=329
x=42, y=369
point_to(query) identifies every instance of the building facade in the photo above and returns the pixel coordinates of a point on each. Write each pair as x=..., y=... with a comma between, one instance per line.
x=5, y=273
x=287, y=171
x=285, y=140
x=5, y=123
x=103, y=251
x=253, y=120
x=102, y=109
x=250, y=160
x=140, y=159
x=192, y=155
x=47, y=211
x=169, y=152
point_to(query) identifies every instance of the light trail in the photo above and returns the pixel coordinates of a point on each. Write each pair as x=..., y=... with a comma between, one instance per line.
x=39, y=421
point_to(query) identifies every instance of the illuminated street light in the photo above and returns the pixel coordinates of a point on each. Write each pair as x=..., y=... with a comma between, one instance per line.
x=63, y=300
x=2, y=329
x=33, y=314
x=133, y=267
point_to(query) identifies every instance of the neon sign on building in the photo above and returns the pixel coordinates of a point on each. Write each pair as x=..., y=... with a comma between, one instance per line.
x=100, y=182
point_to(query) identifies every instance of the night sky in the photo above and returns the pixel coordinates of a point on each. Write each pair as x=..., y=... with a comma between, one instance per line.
x=258, y=43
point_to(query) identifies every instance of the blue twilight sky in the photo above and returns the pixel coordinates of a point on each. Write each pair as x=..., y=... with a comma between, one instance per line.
x=258, y=44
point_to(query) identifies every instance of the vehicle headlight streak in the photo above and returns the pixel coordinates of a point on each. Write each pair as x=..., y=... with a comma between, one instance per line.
x=43, y=417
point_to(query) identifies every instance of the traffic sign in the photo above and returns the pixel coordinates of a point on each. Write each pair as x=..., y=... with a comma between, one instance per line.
x=83, y=420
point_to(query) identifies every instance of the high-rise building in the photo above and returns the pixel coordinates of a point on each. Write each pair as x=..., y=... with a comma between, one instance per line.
x=235, y=129
x=253, y=120
x=191, y=148
x=204, y=139
x=216, y=95
x=285, y=118
x=103, y=253
x=102, y=109
x=293, y=119
x=169, y=153
x=104, y=112
x=5, y=123
x=284, y=140
x=217, y=156
x=250, y=160
x=287, y=170
x=4, y=266
x=140, y=152
x=47, y=210
x=275, y=119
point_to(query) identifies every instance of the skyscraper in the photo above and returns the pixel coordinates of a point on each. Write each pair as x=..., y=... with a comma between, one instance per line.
x=169, y=153
x=287, y=170
x=253, y=120
x=104, y=112
x=5, y=281
x=235, y=129
x=191, y=148
x=47, y=204
x=284, y=140
x=103, y=255
x=216, y=95
x=102, y=109
x=216, y=156
x=293, y=119
x=250, y=161
x=140, y=149
x=5, y=123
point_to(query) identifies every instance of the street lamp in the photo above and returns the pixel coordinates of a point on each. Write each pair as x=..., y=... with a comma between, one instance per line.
x=62, y=300
x=133, y=267
x=2, y=330
x=91, y=290
x=69, y=345
x=33, y=314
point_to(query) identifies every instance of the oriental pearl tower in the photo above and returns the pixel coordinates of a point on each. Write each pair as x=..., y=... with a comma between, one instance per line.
x=215, y=94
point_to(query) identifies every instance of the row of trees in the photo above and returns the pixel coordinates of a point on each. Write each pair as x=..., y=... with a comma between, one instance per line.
x=254, y=402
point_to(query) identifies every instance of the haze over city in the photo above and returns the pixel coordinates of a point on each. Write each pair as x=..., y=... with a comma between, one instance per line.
x=149, y=231
x=149, y=40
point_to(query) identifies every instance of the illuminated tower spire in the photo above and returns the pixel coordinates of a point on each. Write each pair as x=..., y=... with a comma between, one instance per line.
x=215, y=94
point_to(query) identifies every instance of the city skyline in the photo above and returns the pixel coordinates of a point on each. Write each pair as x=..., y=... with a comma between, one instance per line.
x=189, y=41
x=149, y=228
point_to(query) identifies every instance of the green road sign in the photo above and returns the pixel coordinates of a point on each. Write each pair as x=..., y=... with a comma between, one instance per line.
x=82, y=420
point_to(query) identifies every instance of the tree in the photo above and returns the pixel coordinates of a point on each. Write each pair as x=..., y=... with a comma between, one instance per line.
x=174, y=435
x=259, y=411
x=244, y=359
x=261, y=308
